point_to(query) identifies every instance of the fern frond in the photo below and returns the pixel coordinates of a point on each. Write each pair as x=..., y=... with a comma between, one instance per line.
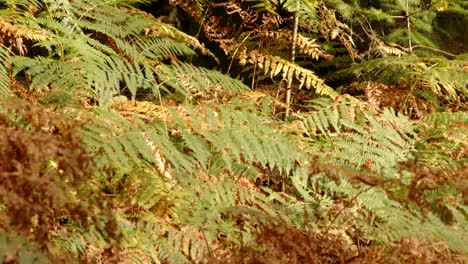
x=274, y=65
x=115, y=57
x=446, y=118
x=241, y=136
x=167, y=31
x=21, y=31
x=386, y=50
x=307, y=46
x=441, y=76
x=124, y=144
x=4, y=78
x=22, y=3
x=391, y=221
x=158, y=49
x=170, y=249
x=361, y=138
x=428, y=227
x=306, y=11
x=188, y=79
x=445, y=144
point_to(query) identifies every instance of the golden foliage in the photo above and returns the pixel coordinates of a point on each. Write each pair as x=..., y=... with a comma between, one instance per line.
x=307, y=46
x=16, y=35
x=274, y=65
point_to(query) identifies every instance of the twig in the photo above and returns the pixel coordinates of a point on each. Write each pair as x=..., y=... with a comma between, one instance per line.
x=292, y=57
x=242, y=174
x=434, y=49
x=408, y=25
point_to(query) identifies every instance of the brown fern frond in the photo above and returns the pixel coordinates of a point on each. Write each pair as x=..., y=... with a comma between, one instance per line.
x=380, y=96
x=17, y=35
x=43, y=168
x=168, y=31
x=389, y=50
x=332, y=28
x=307, y=46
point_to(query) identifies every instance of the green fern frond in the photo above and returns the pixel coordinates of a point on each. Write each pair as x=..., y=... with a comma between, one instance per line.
x=360, y=138
x=4, y=79
x=124, y=144
x=305, y=9
x=188, y=79
x=441, y=76
x=22, y=3
x=445, y=137
x=158, y=49
x=263, y=6
x=170, y=249
x=427, y=227
x=446, y=118
x=167, y=31
x=390, y=222
x=152, y=189
x=240, y=135
x=121, y=53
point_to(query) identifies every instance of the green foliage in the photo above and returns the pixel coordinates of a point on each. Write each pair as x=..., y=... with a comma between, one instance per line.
x=120, y=53
x=446, y=118
x=88, y=175
x=215, y=139
x=190, y=80
x=447, y=133
x=391, y=221
x=4, y=79
x=124, y=144
x=358, y=138
x=443, y=77
x=13, y=245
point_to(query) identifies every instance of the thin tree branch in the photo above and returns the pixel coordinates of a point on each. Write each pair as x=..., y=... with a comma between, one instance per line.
x=292, y=57
x=408, y=25
x=434, y=49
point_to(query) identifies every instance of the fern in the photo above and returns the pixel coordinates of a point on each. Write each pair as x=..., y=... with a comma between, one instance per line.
x=305, y=9
x=211, y=143
x=125, y=144
x=4, y=79
x=232, y=136
x=241, y=135
x=441, y=76
x=187, y=181
x=428, y=227
x=156, y=242
x=390, y=222
x=274, y=65
x=306, y=45
x=122, y=53
x=445, y=118
x=158, y=29
x=361, y=139
x=188, y=79
x=445, y=139
x=13, y=245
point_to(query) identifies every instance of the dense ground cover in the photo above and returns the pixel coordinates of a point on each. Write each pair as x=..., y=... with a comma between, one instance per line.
x=268, y=132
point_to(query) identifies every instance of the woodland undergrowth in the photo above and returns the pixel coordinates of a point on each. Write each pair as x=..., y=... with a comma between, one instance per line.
x=258, y=131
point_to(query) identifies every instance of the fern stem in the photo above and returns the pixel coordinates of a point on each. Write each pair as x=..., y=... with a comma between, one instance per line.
x=292, y=57
x=434, y=49
x=408, y=25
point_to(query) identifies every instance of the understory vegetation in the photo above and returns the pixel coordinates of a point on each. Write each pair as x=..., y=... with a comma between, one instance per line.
x=233, y=131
